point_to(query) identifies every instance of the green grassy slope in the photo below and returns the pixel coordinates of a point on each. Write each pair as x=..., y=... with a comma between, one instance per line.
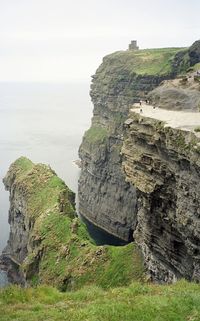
x=60, y=251
x=136, y=302
x=147, y=61
x=132, y=74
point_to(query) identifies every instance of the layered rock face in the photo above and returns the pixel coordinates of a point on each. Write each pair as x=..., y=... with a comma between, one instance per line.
x=105, y=198
x=35, y=191
x=144, y=180
x=164, y=165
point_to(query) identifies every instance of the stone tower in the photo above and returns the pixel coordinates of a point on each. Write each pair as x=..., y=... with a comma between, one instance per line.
x=133, y=45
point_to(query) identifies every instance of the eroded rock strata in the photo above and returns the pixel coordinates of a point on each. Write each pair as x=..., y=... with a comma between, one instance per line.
x=105, y=198
x=164, y=165
x=35, y=192
x=147, y=189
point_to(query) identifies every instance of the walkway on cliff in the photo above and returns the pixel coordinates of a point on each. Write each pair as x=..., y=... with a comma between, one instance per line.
x=175, y=119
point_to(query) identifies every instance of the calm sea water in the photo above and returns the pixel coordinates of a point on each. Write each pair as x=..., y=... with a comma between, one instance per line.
x=44, y=122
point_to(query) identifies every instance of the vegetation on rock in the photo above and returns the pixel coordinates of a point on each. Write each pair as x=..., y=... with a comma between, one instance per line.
x=96, y=134
x=147, y=61
x=106, y=282
x=59, y=249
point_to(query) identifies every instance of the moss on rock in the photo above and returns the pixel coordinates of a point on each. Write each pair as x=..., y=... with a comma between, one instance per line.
x=60, y=251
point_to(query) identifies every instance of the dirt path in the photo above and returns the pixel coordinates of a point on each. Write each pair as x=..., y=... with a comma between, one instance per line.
x=175, y=119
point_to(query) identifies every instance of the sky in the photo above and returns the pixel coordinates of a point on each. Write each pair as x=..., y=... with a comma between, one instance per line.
x=62, y=40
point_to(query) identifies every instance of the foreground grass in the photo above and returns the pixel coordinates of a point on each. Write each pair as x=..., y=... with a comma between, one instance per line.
x=139, y=302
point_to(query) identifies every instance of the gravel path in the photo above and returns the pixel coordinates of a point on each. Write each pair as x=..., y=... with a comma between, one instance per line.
x=175, y=119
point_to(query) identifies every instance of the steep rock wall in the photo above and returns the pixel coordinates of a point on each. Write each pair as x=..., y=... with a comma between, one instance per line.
x=164, y=166
x=105, y=198
x=35, y=191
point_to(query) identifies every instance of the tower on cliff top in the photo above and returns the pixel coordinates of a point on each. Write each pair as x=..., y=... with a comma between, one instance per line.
x=133, y=45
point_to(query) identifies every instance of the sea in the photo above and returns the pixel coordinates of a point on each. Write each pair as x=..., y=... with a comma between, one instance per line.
x=44, y=122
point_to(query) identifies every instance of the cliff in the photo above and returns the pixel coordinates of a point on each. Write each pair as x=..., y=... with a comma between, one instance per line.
x=105, y=197
x=163, y=163
x=48, y=244
x=142, y=182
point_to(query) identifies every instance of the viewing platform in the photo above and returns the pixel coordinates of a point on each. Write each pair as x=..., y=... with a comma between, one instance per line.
x=185, y=120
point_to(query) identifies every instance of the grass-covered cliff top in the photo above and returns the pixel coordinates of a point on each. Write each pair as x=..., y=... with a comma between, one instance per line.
x=39, y=186
x=147, y=61
x=60, y=251
x=131, y=74
x=136, y=302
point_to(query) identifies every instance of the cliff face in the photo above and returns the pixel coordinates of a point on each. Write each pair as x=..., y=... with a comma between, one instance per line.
x=35, y=191
x=105, y=198
x=48, y=243
x=143, y=182
x=164, y=165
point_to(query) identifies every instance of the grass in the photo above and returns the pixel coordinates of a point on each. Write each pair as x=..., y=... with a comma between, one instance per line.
x=196, y=67
x=60, y=251
x=110, y=266
x=39, y=185
x=136, y=302
x=129, y=74
x=95, y=134
x=141, y=62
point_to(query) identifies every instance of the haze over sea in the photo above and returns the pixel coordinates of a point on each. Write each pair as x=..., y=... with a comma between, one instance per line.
x=44, y=122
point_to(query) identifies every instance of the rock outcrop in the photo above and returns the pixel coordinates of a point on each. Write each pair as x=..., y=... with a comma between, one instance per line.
x=164, y=165
x=178, y=94
x=35, y=191
x=48, y=243
x=194, y=53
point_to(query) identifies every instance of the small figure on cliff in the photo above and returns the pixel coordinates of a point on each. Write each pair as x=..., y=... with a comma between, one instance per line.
x=140, y=110
x=140, y=103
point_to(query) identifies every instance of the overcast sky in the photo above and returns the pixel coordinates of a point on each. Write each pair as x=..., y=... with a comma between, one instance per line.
x=63, y=40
